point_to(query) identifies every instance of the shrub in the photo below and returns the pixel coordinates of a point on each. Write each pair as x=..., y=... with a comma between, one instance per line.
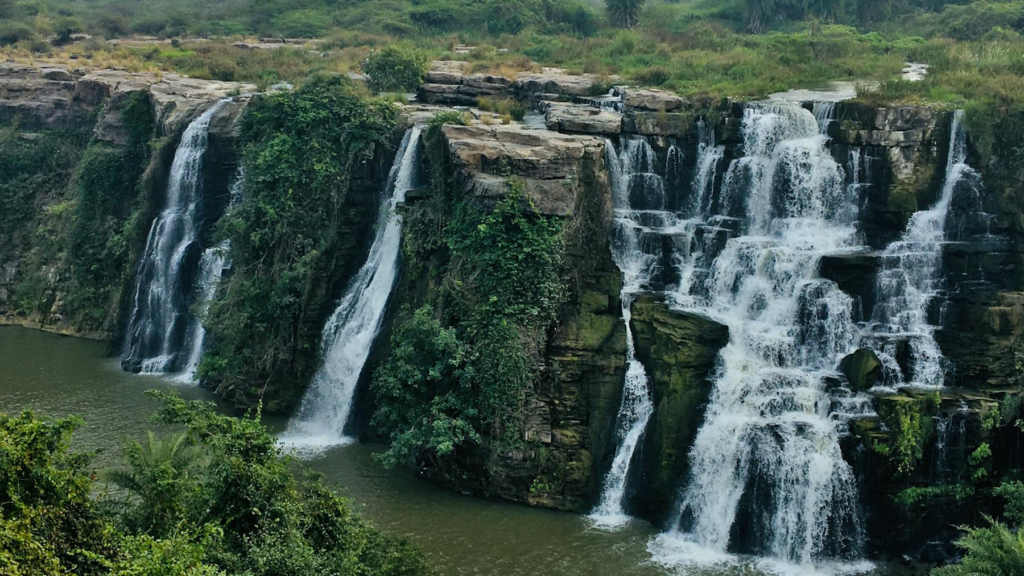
x=298, y=148
x=395, y=68
x=992, y=550
x=510, y=107
x=14, y=32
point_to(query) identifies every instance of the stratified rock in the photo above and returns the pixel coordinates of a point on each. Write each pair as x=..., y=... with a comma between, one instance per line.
x=553, y=81
x=653, y=99
x=583, y=119
x=547, y=162
x=679, y=351
x=854, y=274
x=862, y=369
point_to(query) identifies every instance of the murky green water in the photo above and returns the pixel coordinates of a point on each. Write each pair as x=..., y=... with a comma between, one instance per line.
x=461, y=535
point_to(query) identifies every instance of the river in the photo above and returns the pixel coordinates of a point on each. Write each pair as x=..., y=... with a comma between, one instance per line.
x=461, y=535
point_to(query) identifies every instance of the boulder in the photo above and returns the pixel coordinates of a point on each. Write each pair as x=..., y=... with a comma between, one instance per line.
x=548, y=163
x=553, y=82
x=653, y=99
x=862, y=369
x=583, y=119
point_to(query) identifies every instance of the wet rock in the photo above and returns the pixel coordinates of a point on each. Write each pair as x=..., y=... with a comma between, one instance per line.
x=862, y=369
x=679, y=351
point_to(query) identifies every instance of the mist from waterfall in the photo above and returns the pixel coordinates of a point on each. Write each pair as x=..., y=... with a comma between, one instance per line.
x=350, y=332
x=160, y=313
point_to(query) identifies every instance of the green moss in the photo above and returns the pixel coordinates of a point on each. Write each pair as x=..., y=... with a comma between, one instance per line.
x=499, y=284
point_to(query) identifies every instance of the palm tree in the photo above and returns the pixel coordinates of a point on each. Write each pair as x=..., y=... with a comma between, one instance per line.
x=624, y=13
x=162, y=476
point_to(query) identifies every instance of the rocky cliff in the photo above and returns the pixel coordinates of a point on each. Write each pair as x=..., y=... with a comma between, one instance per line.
x=62, y=270
x=917, y=456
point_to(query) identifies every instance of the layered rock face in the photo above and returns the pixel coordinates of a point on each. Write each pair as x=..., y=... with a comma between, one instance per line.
x=90, y=107
x=568, y=409
x=680, y=351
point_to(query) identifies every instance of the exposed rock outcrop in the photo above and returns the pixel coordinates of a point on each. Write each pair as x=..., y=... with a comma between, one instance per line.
x=550, y=164
x=679, y=351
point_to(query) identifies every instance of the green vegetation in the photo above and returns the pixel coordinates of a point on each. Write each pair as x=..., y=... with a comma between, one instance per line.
x=994, y=550
x=217, y=499
x=624, y=13
x=916, y=495
x=461, y=364
x=395, y=68
x=67, y=201
x=107, y=209
x=299, y=148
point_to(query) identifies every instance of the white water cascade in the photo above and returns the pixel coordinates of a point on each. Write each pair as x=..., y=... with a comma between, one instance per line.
x=212, y=266
x=158, y=321
x=768, y=454
x=352, y=328
x=910, y=278
x=639, y=197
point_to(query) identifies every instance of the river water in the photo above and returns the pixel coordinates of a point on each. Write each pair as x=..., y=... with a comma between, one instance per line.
x=461, y=535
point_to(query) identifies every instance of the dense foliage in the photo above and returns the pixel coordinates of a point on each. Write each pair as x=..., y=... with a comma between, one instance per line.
x=216, y=499
x=395, y=68
x=461, y=366
x=624, y=13
x=298, y=149
x=76, y=204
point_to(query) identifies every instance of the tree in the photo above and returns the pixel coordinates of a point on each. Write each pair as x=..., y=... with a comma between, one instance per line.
x=624, y=13
x=395, y=68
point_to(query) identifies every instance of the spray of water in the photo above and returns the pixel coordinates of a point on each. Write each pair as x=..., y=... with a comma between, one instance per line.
x=155, y=338
x=352, y=328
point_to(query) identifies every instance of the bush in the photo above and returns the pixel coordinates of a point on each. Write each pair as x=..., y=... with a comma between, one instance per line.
x=395, y=68
x=238, y=510
x=993, y=550
x=14, y=32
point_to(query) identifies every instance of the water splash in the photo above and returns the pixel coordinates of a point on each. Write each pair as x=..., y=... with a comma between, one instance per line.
x=160, y=306
x=910, y=278
x=638, y=196
x=768, y=424
x=352, y=328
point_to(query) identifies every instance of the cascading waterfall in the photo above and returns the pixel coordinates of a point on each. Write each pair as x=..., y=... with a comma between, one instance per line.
x=352, y=328
x=639, y=200
x=155, y=338
x=212, y=266
x=910, y=278
x=768, y=447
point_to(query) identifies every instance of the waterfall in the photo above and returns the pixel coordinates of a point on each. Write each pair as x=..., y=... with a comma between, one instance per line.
x=768, y=447
x=349, y=334
x=910, y=278
x=638, y=197
x=160, y=308
x=212, y=266
x=824, y=115
x=949, y=453
x=708, y=156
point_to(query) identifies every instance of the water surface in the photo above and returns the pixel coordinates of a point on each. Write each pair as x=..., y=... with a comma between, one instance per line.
x=461, y=535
